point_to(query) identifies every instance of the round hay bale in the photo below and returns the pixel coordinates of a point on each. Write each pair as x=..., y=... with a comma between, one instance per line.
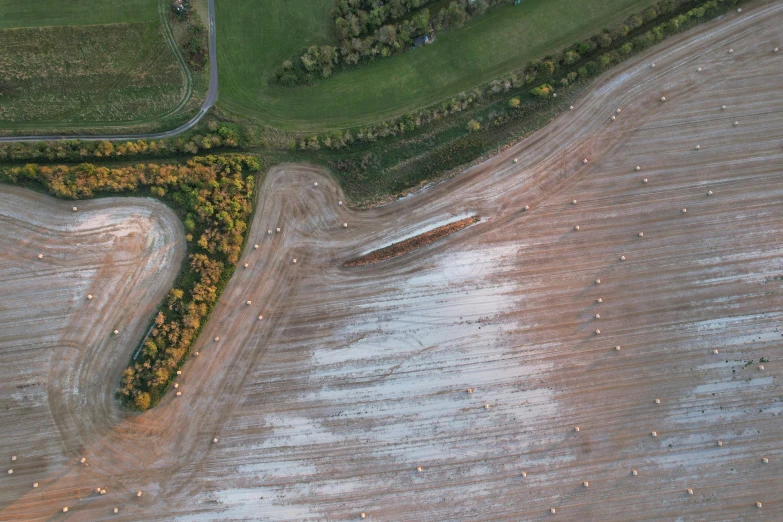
x=641, y=234
x=179, y=372
x=278, y=230
x=731, y=51
x=736, y=123
x=487, y=406
x=103, y=492
x=618, y=111
x=761, y=367
x=690, y=491
x=775, y=50
x=715, y=351
x=116, y=510
x=576, y=228
x=83, y=460
x=765, y=460
x=65, y=509
x=75, y=209
x=293, y=260
x=470, y=390
x=654, y=433
x=89, y=297
x=527, y=207
x=138, y=493
x=613, y=118
x=116, y=332
x=758, y=505
x=586, y=484
x=218, y=338
x=652, y=66
x=40, y=256
x=363, y=514
x=720, y=443
x=577, y=429
x=634, y=473
x=684, y=211
x=269, y=232
x=10, y=472
x=585, y=161
x=699, y=69
x=315, y=184
x=598, y=281
x=340, y=203
x=723, y=107
x=179, y=394
x=638, y=168
x=345, y=225
x=599, y=300
x=215, y=440
x=571, y=108
x=247, y=265
x=709, y=193
x=739, y=9
x=249, y=303
x=573, y=202
x=255, y=247
x=13, y=458
x=663, y=98
x=516, y=160
x=657, y=401
x=419, y=469
x=260, y=317
x=644, y=180
x=698, y=147
x=597, y=316
x=196, y=354
x=176, y=385
x=617, y=348
x=622, y=258
x=524, y=474
x=552, y=510
x=35, y=484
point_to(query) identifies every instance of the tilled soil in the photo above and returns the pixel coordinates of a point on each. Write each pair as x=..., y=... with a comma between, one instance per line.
x=354, y=378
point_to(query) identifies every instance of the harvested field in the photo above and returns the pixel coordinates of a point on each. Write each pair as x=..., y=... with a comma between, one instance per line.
x=354, y=379
x=407, y=246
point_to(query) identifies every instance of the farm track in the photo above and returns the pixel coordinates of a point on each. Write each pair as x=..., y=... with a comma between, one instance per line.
x=356, y=376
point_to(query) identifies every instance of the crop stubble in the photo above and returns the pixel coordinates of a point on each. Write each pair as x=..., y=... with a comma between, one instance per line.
x=355, y=377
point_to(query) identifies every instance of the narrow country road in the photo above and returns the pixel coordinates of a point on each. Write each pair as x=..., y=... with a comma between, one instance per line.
x=209, y=101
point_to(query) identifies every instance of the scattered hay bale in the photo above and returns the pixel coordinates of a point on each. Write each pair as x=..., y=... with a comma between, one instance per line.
x=617, y=348
x=634, y=473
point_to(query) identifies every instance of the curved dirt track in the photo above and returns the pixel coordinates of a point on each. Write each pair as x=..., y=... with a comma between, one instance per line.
x=355, y=377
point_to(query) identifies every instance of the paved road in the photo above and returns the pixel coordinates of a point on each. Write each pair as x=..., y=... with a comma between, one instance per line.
x=209, y=101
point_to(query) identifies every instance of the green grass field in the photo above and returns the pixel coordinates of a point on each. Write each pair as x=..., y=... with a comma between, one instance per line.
x=255, y=37
x=98, y=73
x=80, y=64
x=41, y=13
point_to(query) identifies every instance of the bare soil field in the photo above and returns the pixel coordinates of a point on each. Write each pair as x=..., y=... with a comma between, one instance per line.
x=475, y=378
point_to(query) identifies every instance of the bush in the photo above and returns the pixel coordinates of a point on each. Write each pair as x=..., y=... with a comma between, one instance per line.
x=473, y=126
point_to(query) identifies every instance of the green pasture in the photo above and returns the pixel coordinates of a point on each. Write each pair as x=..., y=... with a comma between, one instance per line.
x=41, y=13
x=255, y=37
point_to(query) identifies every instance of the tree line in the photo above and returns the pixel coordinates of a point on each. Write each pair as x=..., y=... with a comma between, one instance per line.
x=538, y=78
x=368, y=30
x=217, y=136
x=213, y=195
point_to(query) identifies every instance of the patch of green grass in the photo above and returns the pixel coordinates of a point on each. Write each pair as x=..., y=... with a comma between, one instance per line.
x=254, y=39
x=87, y=74
x=41, y=13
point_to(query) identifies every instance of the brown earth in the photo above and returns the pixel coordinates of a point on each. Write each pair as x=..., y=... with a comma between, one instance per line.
x=355, y=377
x=406, y=246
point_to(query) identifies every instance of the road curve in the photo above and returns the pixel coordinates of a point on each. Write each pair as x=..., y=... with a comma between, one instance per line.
x=209, y=101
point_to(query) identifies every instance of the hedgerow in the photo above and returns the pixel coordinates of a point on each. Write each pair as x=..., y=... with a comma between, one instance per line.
x=213, y=195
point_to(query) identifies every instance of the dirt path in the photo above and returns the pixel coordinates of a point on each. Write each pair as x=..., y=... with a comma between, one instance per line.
x=354, y=378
